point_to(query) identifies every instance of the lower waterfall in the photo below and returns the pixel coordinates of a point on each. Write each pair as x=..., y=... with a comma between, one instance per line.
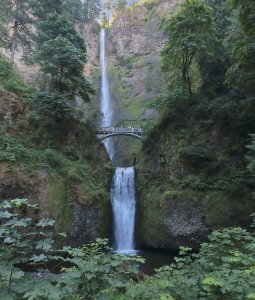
x=123, y=204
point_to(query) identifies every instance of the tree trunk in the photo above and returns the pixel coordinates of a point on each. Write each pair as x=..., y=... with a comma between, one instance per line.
x=189, y=83
x=14, y=40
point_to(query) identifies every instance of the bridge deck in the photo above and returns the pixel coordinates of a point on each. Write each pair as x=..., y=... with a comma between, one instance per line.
x=120, y=130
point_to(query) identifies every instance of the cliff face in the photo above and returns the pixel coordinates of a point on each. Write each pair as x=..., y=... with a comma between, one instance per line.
x=191, y=178
x=135, y=42
x=69, y=182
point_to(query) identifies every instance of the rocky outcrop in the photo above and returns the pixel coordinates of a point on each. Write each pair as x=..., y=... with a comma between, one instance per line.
x=181, y=199
x=11, y=107
x=83, y=222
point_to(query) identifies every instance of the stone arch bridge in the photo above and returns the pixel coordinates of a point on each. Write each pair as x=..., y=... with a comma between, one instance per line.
x=107, y=132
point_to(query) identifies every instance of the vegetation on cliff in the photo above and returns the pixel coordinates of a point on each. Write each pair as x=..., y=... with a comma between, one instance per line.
x=205, y=155
x=47, y=152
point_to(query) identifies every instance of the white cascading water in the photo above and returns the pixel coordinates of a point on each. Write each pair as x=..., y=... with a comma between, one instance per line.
x=123, y=186
x=106, y=105
x=123, y=204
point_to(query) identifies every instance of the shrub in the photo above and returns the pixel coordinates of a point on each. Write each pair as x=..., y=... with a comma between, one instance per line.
x=50, y=110
x=52, y=158
x=90, y=272
x=223, y=269
x=11, y=150
x=195, y=183
x=196, y=154
x=10, y=78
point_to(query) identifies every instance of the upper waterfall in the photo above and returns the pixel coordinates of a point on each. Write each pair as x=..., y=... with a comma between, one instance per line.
x=106, y=104
x=105, y=93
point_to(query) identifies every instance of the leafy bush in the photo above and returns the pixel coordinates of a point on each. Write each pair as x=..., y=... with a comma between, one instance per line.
x=126, y=61
x=223, y=269
x=11, y=150
x=52, y=158
x=195, y=183
x=89, y=272
x=196, y=154
x=10, y=78
x=50, y=110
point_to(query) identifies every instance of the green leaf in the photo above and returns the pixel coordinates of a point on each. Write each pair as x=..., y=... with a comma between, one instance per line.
x=46, y=222
x=45, y=244
x=40, y=258
x=211, y=281
x=5, y=215
x=9, y=240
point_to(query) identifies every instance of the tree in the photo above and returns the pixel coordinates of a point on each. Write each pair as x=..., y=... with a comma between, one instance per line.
x=41, y=9
x=4, y=13
x=213, y=65
x=21, y=27
x=108, y=7
x=188, y=33
x=16, y=25
x=120, y=5
x=61, y=54
x=91, y=10
x=104, y=20
x=242, y=72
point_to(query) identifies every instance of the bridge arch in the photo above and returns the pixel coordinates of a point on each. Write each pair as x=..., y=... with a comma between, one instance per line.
x=107, y=132
x=104, y=137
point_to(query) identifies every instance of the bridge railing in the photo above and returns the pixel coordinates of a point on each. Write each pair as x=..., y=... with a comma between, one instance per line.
x=120, y=129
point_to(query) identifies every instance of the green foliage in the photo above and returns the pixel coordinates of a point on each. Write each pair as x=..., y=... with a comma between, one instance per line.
x=90, y=272
x=195, y=183
x=188, y=34
x=22, y=241
x=219, y=49
x=196, y=154
x=42, y=8
x=15, y=25
x=242, y=71
x=4, y=14
x=10, y=78
x=223, y=269
x=91, y=10
x=61, y=53
x=12, y=151
x=120, y=5
x=246, y=16
x=50, y=110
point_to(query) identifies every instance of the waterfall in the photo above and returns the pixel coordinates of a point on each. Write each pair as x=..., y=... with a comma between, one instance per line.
x=123, y=204
x=106, y=104
x=123, y=186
